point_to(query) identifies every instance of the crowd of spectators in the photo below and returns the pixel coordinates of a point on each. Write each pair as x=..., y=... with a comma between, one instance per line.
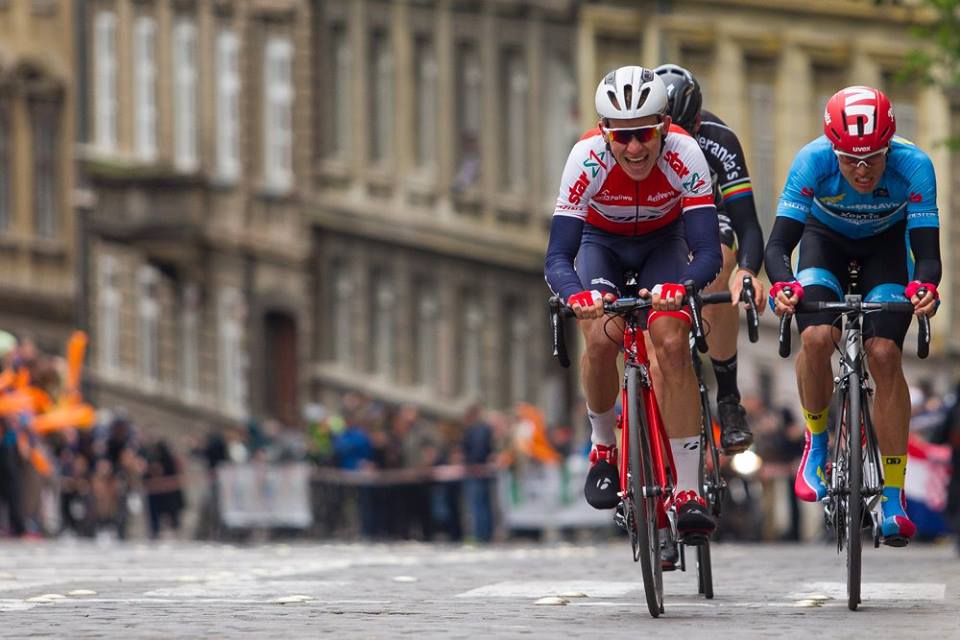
x=84, y=481
x=384, y=472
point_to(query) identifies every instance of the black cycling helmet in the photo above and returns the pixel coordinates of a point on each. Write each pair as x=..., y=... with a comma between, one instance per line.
x=683, y=95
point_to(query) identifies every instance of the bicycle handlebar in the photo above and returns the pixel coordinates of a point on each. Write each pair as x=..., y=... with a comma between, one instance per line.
x=851, y=305
x=625, y=306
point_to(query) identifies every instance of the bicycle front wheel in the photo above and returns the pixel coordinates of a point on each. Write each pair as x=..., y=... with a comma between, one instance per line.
x=644, y=495
x=855, y=498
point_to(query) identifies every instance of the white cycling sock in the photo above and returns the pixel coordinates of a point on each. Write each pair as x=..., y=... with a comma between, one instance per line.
x=602, y=425
x=686, y=456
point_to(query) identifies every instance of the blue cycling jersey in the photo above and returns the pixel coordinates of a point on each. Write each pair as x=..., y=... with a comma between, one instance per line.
x=815, y=187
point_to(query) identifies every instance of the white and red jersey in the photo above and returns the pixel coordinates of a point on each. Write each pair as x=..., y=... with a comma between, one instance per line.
x=596, y=189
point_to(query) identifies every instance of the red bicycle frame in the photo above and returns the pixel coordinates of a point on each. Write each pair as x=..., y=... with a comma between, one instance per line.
x=635, y=355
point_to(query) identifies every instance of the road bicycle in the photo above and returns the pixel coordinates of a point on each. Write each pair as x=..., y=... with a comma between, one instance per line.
x=855, y=471
x=647, y=472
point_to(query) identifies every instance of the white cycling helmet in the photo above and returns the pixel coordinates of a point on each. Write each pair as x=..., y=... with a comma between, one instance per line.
x=631, y=92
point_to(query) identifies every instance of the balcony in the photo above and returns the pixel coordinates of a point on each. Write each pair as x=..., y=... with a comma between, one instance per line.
x=162, y=212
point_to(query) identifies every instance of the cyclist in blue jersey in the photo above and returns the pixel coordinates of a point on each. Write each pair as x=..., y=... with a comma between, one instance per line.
x=857, y=193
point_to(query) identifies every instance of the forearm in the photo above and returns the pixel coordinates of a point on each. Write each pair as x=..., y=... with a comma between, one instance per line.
x=565, y=234
x=780, y=245
x=925, y=245
x=703, y=240
x=743, y=215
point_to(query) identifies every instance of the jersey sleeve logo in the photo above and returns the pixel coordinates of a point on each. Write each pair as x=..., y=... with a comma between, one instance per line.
x=675, y=163
x=595, y=162
x=695, y=183
x=807, y=191
x=578, y=188
x=915, y=197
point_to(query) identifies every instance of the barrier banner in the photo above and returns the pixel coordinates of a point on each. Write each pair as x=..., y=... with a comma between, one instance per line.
x=265, y=495
x=549, y=497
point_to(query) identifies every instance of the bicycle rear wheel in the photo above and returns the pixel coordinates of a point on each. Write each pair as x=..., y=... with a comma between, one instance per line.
x=711, y=486
x=644, y=496
x=704, y=571
x=854, y=498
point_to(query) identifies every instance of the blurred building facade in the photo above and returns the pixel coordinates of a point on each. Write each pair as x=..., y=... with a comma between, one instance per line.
x=442, y=129
x=295, y=198
x=197, y=155
x=37, y=128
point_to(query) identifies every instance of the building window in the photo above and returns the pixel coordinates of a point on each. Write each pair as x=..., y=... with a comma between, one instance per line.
x=343, y=317
x=383, y=343
x=427, y=335
x=902, y=96
x=827, y=80
x=6, y=162
x=231, y=314
x=228, y=106
x=108, y=314
x=148, y=315
x=469, y=114
x=145, y=88
x=340, y=96
x=185, y=95
x=105, y=80
x=699, y=62
x=514, y=128
x=518, y=338
x=45, y=117
x=760, y=105
x=472, y=345
x=561, y=125
x=381, y=97
x=278, y=115
x=426, y=103
x=190, y=341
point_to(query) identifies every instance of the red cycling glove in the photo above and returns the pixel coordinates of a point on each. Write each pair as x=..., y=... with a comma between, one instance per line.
x=777, y=287
x=912, y=287
x=670, y=289
x=584, y=298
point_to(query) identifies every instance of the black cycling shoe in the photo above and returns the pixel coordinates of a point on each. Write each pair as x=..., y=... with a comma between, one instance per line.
x=602, y=486
x=735, y=435
x=669, y=556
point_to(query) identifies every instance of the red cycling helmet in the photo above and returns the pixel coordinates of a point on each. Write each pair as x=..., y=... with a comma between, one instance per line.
x=859, y=120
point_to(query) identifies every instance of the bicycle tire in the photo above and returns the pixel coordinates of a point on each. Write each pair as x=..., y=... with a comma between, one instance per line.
x=641, y=475
x=854, y=497
x=705, y=570
x=710, y=489
x=711, y=484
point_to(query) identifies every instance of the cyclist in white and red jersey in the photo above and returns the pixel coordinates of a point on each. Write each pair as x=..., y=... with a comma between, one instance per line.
x=636, y=195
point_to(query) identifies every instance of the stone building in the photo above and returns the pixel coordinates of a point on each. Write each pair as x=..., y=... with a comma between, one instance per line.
x=38, y=94
x=197, y=153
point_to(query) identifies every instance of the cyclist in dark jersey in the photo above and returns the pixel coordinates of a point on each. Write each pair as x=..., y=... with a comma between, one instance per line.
x=740, y=237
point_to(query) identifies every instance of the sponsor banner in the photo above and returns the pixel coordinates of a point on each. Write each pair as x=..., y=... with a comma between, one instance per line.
x=265, y=495
x=549, y=497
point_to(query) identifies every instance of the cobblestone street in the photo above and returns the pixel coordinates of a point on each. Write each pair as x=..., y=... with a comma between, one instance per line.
x=84, y=590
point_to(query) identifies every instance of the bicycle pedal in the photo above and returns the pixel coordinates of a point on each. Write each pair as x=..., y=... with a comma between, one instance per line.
x=896, y=541
x=620, y=518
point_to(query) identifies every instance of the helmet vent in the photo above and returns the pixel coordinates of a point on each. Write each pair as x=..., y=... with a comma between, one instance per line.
x=643, y=96
x=613, y=99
